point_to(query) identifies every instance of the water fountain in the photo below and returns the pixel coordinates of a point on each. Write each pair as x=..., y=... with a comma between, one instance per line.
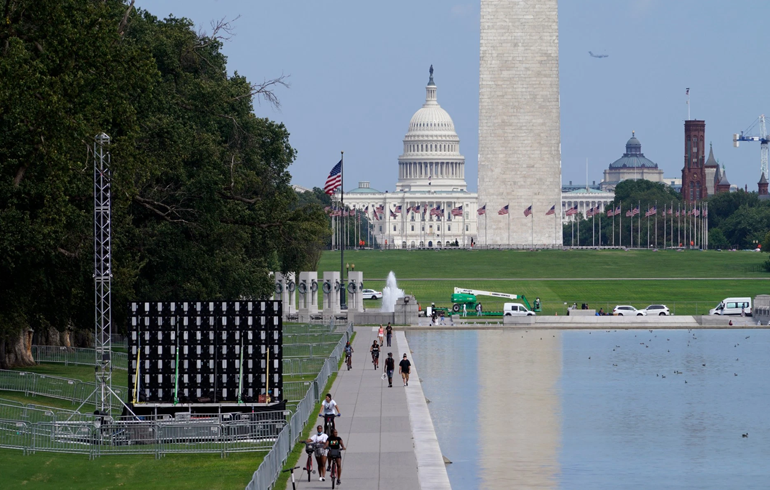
x=390, y=293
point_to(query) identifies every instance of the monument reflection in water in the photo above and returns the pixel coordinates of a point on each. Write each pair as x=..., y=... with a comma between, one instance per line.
x=599, y=409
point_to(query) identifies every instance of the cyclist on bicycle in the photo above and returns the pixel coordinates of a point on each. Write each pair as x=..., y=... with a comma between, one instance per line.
x=335, y=445
x=349, y=351
x=319, y=439
x=328, y=407
x=375, y=350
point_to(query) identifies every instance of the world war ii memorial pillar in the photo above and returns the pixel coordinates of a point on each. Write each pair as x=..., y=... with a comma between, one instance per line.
x=519, y=126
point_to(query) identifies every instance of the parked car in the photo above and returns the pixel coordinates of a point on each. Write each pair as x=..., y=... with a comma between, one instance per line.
x=371, y=294
x=657, y=310
x=627, y=310
x=732, y=306
x=516, y=309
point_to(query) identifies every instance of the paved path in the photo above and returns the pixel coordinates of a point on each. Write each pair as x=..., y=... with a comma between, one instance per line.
x=375, y=425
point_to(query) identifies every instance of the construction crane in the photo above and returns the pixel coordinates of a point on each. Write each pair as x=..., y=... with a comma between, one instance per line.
x=763, y=139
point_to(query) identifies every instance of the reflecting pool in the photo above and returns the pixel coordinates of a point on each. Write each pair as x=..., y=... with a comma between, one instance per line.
x=599, y=409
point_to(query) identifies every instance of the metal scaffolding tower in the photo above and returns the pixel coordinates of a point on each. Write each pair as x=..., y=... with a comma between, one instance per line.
x=102, y=273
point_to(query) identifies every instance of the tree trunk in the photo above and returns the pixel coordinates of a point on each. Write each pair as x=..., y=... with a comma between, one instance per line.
x=17, y=351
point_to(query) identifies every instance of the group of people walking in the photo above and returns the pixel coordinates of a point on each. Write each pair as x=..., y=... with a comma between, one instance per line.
x=327, y=442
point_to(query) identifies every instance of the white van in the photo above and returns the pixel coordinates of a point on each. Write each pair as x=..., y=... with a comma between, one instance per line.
x=516, y=309
x=732, y=306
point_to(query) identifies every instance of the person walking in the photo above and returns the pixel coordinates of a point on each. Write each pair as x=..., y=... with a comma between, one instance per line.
x=389, y=333
x=319, y=439
x=390, y=366
x=403, y=367
x=465, y=310
x=380, y=335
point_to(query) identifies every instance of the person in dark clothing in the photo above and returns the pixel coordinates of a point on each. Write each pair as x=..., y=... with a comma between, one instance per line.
x=388, y=333
x=403, y=368
x=334, y=444
x=390, y=366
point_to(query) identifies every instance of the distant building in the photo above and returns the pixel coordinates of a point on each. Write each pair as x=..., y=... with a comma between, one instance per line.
x=724, y=184
x=585, y=198
x=712, y=173
x=633, y=165
x=694, y=186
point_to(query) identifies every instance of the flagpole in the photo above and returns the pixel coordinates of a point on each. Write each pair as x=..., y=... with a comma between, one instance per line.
x=639, y=239
x=509, y=228
x=620, y=225
x=343, y=301
x=656, y=223
x=532, y=236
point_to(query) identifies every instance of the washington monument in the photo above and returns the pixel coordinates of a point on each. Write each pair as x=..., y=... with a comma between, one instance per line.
x=519, y=130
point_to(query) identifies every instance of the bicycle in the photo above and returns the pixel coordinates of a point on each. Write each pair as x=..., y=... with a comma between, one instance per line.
x=310, y=449
x=349, y=361
x=328, y=422
x=376, y=360
x=333, y=471
x=293, y=485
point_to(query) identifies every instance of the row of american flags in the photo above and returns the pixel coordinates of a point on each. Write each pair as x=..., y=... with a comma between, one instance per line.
x=594, y=211
x=437, y=211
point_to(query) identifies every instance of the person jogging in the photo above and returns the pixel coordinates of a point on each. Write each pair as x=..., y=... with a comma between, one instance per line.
x=388, y=333
x=403, y=368
x=390, y=366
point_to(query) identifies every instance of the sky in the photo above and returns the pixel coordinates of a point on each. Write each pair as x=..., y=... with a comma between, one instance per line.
x=357, y=73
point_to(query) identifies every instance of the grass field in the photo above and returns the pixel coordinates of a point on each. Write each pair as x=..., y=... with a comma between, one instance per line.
x=600, y=278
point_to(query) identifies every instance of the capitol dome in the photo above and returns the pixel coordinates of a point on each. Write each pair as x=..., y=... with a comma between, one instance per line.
x=431, y=158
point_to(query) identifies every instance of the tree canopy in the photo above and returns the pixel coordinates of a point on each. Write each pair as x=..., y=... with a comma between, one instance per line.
x=202, y=206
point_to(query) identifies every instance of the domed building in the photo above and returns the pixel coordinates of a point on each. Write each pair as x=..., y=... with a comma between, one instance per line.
x=633, y=165
x=431, y=206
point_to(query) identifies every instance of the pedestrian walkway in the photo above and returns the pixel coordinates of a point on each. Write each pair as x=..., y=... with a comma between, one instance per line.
x=374, y=425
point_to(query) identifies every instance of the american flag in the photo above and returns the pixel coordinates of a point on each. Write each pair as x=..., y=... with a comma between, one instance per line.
x=393, y=215
x=528, y=211
x=334, y=180
x=696, y=212
x=436, y=211
x=650, y=212
x=687, y=92
x=335, y=213
x=398, y=209
x=610, y=213
x=551, y=211
x=636, y=210
x=416, y=208
x=458, y=211
x=572, y=211
x=677, y=214
x=482, y=210
x=617, y=211
x=670, y=211
x=503, y=210
x=630, y=213
x=590, y=212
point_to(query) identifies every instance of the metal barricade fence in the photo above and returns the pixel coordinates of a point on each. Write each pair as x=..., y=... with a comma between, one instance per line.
x=72, y=390
x=75, y=355
x=268, y=471
x=308, y=350
x=15, y=434
x=299, y=365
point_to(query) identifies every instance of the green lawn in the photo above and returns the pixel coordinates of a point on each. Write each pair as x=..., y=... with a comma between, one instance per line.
x=515, y=264
x=600, y=278
x=69, y=471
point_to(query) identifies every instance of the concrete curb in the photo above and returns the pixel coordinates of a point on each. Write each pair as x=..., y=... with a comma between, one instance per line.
x=431, y=469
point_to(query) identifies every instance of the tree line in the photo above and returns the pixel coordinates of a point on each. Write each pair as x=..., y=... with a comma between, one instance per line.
x=202, y=205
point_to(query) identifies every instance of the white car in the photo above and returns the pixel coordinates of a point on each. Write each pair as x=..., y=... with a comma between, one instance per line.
x=371, y=294
x=626, y=310
x=657, y=310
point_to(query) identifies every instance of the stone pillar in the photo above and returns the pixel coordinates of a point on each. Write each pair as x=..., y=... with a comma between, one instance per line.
x=355, y=286
x=331, y=293
x=308, y=295
x=285, y=291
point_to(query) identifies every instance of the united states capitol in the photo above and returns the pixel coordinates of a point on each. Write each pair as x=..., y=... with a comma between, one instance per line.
x=432, y=207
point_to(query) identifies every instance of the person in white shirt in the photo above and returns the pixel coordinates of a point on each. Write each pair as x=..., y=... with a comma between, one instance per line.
x=328, y=407
x=319, y=438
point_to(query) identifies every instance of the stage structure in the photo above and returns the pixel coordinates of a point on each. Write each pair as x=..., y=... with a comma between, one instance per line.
x=205, y=356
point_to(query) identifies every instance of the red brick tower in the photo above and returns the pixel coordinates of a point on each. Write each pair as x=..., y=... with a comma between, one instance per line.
x=694, y=170
x=762, y=185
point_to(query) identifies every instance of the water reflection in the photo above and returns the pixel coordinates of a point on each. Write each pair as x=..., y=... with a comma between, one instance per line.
x=519, y=410
x=617, y=409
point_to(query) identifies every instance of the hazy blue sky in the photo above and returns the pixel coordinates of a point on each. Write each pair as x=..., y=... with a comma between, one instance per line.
x=358, y=71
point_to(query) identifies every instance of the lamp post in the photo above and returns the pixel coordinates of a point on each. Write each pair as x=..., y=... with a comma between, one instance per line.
x=343, y=289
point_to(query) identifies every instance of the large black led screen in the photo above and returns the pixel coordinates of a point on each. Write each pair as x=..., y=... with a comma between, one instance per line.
x=205, y=352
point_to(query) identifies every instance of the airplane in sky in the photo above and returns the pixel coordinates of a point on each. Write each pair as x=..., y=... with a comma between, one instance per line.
x=598, y=55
